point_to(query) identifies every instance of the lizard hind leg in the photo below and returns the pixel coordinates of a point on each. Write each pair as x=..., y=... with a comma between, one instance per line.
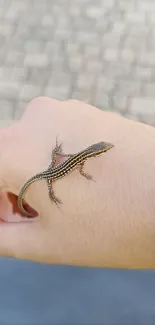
x=52, y=196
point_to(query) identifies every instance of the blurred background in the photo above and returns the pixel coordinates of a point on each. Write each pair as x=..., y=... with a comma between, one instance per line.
x=101, y=52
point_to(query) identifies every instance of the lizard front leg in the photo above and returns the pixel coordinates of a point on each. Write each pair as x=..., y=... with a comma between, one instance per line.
x=56, y=151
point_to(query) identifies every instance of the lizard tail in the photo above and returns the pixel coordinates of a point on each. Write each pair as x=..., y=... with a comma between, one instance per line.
x=20, y=196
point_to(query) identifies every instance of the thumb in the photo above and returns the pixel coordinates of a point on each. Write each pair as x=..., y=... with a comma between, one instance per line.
x=18, y=236
x=28, y=239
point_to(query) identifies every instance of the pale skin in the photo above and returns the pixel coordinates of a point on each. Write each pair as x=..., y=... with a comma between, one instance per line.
x=106, y=223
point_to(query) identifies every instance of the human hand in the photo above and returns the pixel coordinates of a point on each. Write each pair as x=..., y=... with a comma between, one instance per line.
x=108, y=223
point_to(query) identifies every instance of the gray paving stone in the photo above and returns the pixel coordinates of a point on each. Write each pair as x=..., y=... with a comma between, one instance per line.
x=119, y=27
x=111, y=54
x=102, y=100
x=127, y=5
x=28, y=92
x=132, y=117
x=136, y=44
x=33, y=46
x=7, y=109
x=17, y=6
x=84, y=96
x=107, y=3
x=102, y=52
x=117, y=70
x=19, y=109
x=147, y=58
x=143, y=106
x=106, y=84
x=85, y=27
x=127, y=55
x=152, y=18
x=60, y=80
x=59, y=86
x=149, y=90
x=19, y=75
x=86, y=37
x=60, y=94
x=53, y=49
x=5, y=73
x=9, y=90
x=119, y=102
x=129, y=88
x=139, y=30
x=148, y=119
x=143, y=73
x=6, y=29
x=94, y=11
x=5, y=123
x=147, y=5
x=91, y=52
x=93, y=66
x=36, y=60
x=62, y=34
x=48, y=20
x=101, y=25
x=75, y=49
x=75, y=9
x=36, y=77
x=31, y=20
x=111, y=40
x=136, y=17
x=2, y=12
x=23, y=31
x=84, y=81
x=75, y=64
x=59, y=65
x=11, y=16
x=14, y=57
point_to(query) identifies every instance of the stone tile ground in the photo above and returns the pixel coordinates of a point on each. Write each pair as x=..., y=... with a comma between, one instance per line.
x=102, y=52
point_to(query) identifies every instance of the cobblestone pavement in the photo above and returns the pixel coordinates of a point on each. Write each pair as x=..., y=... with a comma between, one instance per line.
x=98, y=51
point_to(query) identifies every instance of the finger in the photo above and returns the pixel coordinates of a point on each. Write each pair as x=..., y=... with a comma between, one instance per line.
x=13, y=234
